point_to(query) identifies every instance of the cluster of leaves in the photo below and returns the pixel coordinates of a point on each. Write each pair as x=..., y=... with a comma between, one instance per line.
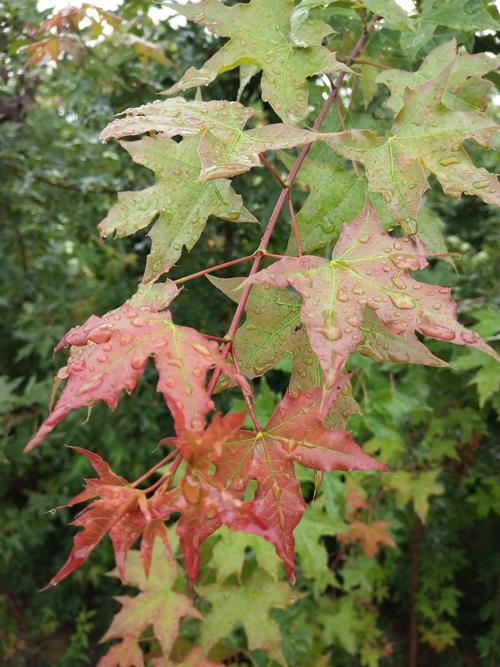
x=361, y=298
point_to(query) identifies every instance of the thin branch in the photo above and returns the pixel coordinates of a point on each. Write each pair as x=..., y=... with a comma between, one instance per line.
x=280, y=203
x=272, y=171
x=156, y=467
x=343, y=126
x=294, y=225
x=211, y=269
x=248, y=402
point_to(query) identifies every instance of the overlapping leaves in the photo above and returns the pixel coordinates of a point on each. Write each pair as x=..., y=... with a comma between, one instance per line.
x=225, y=149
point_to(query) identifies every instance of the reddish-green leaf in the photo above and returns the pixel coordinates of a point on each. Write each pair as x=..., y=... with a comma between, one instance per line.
x=368, y=269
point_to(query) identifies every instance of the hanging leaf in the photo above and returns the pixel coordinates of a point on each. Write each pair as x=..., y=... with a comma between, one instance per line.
x=121, y=511
x=224, y=149
x=182, y=202
x=369, y=269
x=426, y=137
x=156, y=605
x=260, y=35
x=294, y=433
x=109, y=354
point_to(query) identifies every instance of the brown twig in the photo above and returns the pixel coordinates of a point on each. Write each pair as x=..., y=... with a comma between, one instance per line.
x=156, y=467
x=246, y=397
x=211, y=269
x=283, y=198
x=294, y=225
x=272, y=171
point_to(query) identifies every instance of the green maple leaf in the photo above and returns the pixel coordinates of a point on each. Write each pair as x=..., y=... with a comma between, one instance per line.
x=228, y=556
x=417, y=488
x=248, y=605
x=225, y=149
x=181, y=201
x=426, y=137
x=157, y=605
x=260, y=34
x=312, y=553
x=465, y=89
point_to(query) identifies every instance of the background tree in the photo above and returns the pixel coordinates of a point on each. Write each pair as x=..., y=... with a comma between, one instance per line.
x=357, y=597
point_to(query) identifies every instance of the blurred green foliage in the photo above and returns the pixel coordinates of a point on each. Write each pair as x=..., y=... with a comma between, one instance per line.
x=435, y=426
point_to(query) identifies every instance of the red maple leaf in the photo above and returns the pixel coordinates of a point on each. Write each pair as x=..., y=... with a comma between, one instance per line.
x=110, y=353
x=370, y=534
x=117, y=509
x=295, y=432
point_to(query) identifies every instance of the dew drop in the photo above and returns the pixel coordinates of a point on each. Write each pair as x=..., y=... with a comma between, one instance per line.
x=481, y=184
x=364, y=238
x=398, y=282
x=138, y=361
x=469, y=337
x=402, y=301
x=437, y=331
x=101, y=335
x=126, y=339
x=201, y=349
x=102, y=358
x=447, y=161
x=358, y=290
x=78, y=366
x=342, y=295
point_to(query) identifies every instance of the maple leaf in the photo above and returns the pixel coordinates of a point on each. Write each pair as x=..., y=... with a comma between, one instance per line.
x=260, y=35
x=249, y=605
x=370, y=269
x=370, y=534
x=295, y=432
x=426, y=136
x=183, y=202
x=225, y=149
x=229, y=554
x=416, y=487
x=204, y=501
x=157, y=605
x=121, y=511
x=464, y=88
x=110, y=353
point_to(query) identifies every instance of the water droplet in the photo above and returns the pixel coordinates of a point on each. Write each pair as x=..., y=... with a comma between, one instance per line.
x=358, y=290
x=78, y=366
x=436, y=306
x=447, y=161
x=353, y=321
x=398, y=282
x=364, y=238
x=101, y=334
x=342, y=295
x=197, y=372
x=402, y=301
x=102, y=358
x=126, y=339
x=480, y=184
x=90, y=386
x=202, y=349
x=191, y=490
x=470, y=337
x=435, y=330
x=139, y=322
x=331, y=333
x=138, y=361
x=238, y=485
